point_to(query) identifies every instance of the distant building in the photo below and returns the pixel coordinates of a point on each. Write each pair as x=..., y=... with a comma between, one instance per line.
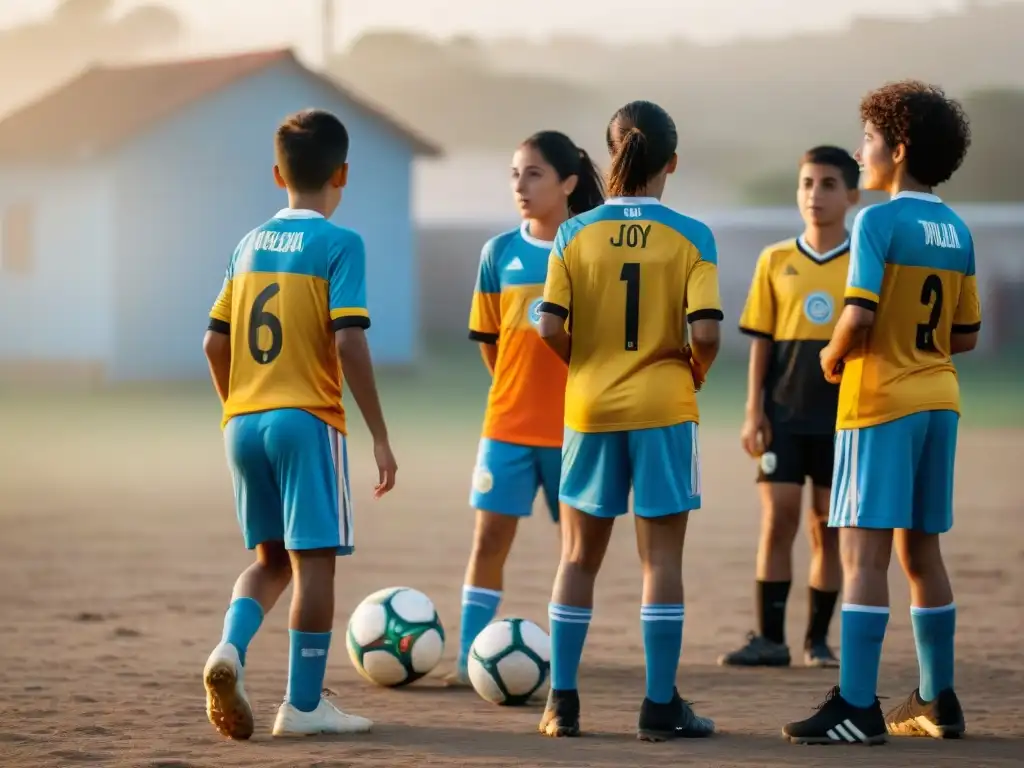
x=124, y=192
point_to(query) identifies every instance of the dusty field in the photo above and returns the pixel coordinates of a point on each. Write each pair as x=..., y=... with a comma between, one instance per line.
x=119, y=548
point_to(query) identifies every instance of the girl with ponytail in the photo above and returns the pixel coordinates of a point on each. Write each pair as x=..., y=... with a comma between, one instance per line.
x=521, y=444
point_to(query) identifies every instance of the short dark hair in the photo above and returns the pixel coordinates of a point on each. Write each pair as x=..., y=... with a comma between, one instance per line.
x=933, y=128
x=562, y=154
x=310, y=146
x=641, y=139
x=834, y=157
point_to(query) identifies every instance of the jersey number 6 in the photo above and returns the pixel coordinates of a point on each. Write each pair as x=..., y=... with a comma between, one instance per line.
x=260, y=318
x=931, y=294
x=631, y=275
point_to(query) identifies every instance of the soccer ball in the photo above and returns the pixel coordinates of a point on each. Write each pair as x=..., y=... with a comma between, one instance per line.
x=509, y=661
x=395, y=637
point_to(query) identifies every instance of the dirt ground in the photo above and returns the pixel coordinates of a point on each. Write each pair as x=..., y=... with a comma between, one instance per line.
x=119, y=548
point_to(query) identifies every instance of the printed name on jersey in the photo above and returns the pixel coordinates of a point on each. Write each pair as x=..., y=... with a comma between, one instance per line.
x=279, y=242
x=940, y=234
x=633, y=213
x=630, y=236
x=819, y=307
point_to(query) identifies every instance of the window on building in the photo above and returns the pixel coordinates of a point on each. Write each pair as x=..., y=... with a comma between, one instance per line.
x=16, y=246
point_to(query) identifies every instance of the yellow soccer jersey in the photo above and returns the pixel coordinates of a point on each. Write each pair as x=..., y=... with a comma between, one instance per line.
x=912, y=262
x=628, y=275
x=794, y=302
x=290, y=285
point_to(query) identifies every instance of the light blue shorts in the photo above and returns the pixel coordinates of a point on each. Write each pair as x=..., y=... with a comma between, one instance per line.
x=507, y=476
x=290, y=472
x=896, y=475
x=662, y=465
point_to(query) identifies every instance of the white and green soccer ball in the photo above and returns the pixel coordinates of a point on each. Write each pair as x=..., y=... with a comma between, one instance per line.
x=395, y=637
x=509, y=661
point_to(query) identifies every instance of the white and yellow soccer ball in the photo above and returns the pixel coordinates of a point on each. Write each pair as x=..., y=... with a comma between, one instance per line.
x=395, y=637
x=509, y=661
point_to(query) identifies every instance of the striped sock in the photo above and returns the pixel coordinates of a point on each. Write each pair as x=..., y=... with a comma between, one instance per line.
x=479, y=607
x=569, y=626
x=663, y=642
x=934, y=631
x=863, y=630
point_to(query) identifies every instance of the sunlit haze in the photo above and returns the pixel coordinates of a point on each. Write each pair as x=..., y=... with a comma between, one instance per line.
x=234, y=23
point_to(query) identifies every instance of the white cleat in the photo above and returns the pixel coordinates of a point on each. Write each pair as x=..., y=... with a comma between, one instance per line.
x=227, y=706
x=326, y=718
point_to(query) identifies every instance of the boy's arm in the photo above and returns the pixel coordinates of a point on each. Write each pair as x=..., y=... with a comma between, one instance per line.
x=868, y=247
x=350, y=319
x=217, y=341
x=967, y=318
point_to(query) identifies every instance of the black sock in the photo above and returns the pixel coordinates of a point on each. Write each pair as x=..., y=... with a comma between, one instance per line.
x=823, y=605
x=771, y=607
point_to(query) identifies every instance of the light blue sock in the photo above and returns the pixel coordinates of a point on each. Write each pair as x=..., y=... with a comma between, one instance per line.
x=241, y=623
x=479, y=607
x=307, y=665
x=863, y=630
x=569, y=627
x=663, y=642
x=934, y=630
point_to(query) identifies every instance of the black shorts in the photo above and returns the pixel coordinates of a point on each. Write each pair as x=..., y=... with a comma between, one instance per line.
x=794, y=458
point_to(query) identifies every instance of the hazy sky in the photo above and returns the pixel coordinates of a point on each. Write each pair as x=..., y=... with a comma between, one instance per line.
x=236, y=23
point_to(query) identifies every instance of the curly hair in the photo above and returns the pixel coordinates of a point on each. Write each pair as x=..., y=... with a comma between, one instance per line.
x=933, y=128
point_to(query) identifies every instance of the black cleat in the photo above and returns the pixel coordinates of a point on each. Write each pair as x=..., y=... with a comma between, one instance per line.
x=941, y=718
x=758, y=652
x=675, y=720
x=819, y=655
x=839, y=722
x=561, y=715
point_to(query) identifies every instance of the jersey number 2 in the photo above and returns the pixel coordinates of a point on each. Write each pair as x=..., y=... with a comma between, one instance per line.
x=931, y=295
x=631, y=275
x=260, y=318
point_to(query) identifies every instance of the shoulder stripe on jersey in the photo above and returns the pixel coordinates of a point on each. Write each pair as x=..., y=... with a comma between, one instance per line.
x=553, y=309
x=972, y=328
x=219, y=326
x=350, y=321
x=706, y=314
x=483, y=338
x=858, y=301
x=756, y=333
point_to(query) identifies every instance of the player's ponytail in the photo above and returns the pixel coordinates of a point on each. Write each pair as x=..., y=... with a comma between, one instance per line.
x=559, y=151
x=641, y=139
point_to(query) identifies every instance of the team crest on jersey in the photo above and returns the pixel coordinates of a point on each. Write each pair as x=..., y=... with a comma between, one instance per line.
x=483, y=480
x=534, y=312
x=819, y=308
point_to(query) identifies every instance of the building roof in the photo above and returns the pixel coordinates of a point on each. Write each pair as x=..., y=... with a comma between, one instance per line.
x=106, y=106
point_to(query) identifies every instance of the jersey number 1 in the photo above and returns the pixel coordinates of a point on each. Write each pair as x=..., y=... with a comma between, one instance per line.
x=931, y=295
x=631, y=275
x=260, y=318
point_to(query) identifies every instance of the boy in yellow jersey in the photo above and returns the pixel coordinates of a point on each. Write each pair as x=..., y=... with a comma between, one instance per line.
x=293, y=303
x=911, y=303
x=521, y=445
x=623, y=282
x=791, y=409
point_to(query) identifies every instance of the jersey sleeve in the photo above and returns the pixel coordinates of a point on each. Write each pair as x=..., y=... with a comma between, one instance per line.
x=967, y=318
x=220, y=313
x=868, y=247
x=703, y=300
x=346, y=278
x=485, y=310
x=758, y=318
x=557, y=287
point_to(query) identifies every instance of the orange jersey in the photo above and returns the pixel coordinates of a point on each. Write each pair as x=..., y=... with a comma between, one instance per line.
x=525, y=403
x=628, y=275
x=290, y=285
x=912, y=263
